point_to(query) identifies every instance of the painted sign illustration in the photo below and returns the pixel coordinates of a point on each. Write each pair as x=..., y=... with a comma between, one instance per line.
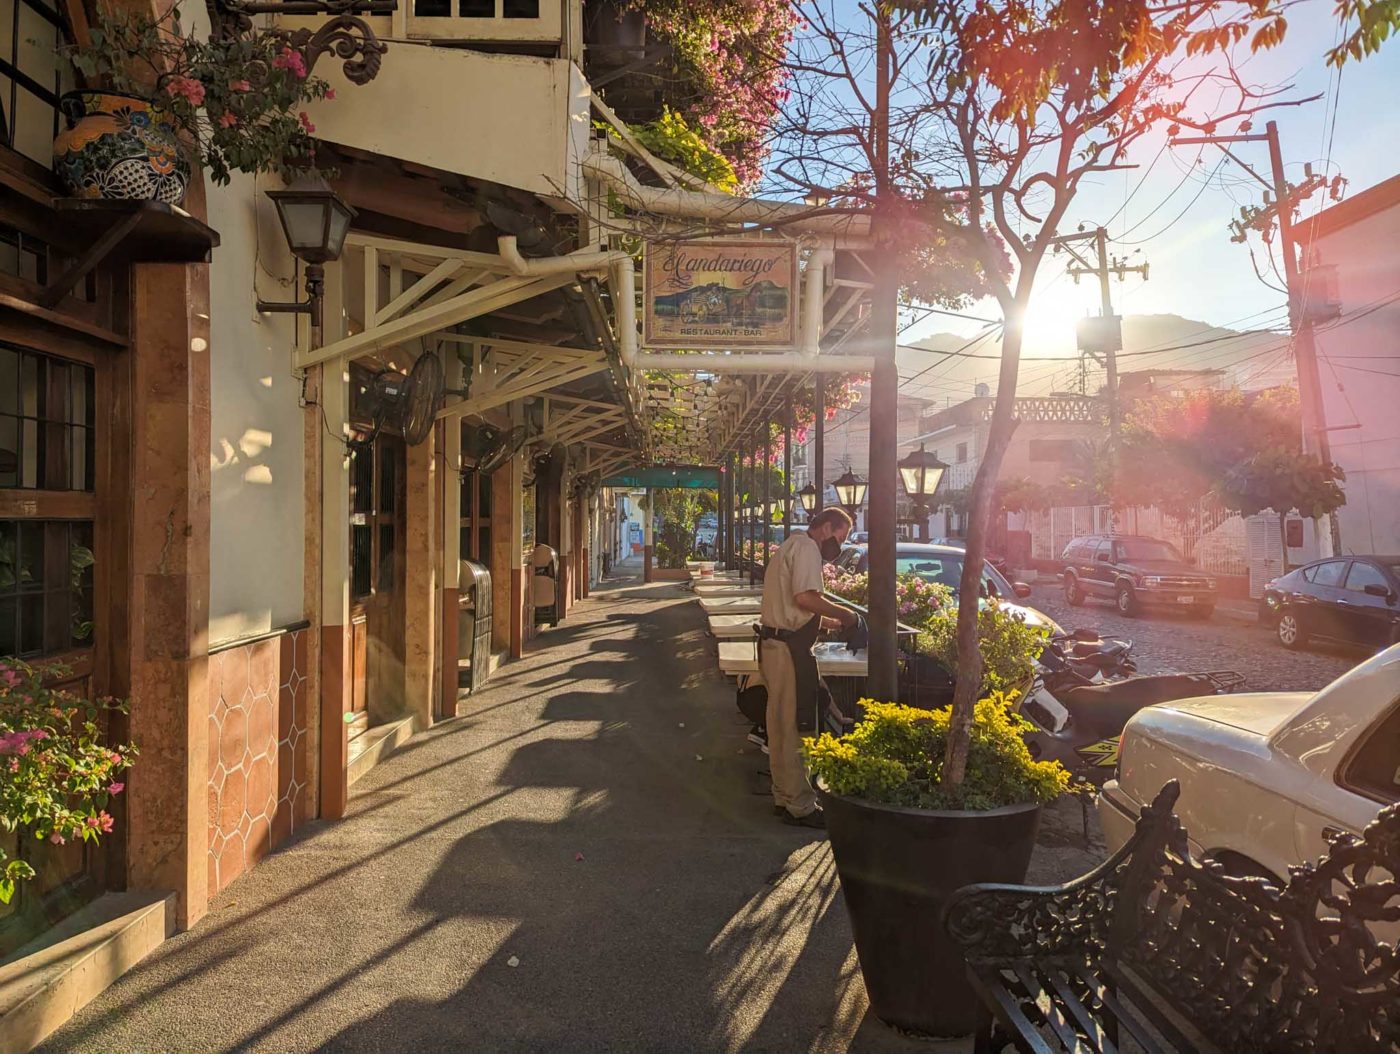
x=706, y=295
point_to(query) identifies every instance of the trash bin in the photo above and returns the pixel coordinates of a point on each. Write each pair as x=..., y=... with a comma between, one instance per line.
x=474, y=621
x=544, y=584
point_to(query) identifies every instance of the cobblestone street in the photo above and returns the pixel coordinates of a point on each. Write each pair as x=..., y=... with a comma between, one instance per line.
x=1168, y=642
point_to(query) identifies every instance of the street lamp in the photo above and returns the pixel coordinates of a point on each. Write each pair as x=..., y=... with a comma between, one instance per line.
x=921, y=472
x=850, y=492
x=807, y=498
x=315, y=222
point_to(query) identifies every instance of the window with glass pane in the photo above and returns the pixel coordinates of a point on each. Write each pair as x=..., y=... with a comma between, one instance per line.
x=45, y=586
x=33, y=74
x=46, y=422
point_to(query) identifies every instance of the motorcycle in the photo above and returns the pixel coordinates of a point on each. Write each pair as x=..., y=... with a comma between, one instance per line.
x=1084, y=657
x=1079, y=725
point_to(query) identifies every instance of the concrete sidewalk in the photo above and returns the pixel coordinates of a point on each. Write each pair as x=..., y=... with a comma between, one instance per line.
x=578, y=863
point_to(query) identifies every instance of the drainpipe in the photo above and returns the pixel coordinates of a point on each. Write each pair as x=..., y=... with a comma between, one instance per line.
x=586, y=262
x=813, y=300
x=723, y=208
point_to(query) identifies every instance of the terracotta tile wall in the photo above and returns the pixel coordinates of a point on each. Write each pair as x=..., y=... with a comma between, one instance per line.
x=258, y=764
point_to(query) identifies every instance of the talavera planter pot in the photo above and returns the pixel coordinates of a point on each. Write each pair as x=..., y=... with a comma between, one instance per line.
x=119, y=146
x=898, y=867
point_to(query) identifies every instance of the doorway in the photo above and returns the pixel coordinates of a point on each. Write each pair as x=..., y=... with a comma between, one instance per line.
x=377, y=506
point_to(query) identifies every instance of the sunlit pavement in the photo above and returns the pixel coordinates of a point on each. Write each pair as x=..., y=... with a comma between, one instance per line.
x=578, y=863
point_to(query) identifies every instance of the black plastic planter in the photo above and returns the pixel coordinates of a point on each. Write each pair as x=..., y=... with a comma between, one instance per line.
x=898, y=867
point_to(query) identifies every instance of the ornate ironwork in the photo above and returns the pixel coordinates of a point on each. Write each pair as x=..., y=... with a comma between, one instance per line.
x=1313, y=966
x=349, y=39
x=345, y=35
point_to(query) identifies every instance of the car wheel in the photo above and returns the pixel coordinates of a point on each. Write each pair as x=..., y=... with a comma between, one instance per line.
x=1290, y=630
x=1127, y=601
x=1073, y=596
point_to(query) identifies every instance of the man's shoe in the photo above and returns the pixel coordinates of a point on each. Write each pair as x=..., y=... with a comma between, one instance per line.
x=816, y=819
x=758, y=736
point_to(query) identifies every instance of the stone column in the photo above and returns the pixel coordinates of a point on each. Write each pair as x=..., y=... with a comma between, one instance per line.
x=337, y=675
x=422, y=523
x=166, y=574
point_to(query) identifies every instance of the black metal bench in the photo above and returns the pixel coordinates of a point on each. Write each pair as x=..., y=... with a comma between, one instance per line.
x=1163, y=953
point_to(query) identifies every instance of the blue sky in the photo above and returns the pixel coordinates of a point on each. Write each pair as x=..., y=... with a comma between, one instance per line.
x=1177, y=217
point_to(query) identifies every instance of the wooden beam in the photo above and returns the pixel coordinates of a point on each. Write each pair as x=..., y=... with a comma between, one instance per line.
x=472, y=304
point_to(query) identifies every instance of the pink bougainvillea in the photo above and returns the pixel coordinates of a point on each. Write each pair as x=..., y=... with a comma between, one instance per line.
x=733, y=53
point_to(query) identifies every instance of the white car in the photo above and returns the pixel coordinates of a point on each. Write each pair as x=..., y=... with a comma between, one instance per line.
x=1264, y=775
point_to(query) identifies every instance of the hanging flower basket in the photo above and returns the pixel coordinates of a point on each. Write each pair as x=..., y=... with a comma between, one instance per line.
x=119, y=145
x=170, y=101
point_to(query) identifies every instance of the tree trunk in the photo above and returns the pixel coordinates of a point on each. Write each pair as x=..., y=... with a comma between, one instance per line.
x=969, y=672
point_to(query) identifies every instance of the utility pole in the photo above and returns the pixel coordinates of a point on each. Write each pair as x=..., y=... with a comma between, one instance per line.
x=1280, y=202
x=1102, y=338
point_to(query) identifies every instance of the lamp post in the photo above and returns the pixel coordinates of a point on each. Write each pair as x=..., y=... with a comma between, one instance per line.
x=315, y=222
x=850, y=492
x=921, y=472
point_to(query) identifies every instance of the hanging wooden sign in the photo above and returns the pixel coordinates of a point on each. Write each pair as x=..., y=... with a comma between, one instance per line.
x=711, y=295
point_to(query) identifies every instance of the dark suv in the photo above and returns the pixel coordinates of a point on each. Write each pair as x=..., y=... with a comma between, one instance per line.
x=1135, y=573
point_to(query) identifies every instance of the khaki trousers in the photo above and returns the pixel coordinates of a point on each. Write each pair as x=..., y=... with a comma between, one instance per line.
x=791, y=788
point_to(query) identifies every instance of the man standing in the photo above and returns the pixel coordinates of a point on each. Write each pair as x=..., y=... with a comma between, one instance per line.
x=794, y=611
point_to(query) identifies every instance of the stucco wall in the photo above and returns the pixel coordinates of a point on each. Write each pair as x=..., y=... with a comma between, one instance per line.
x=1357, y=357
x=510, y=119
x=256, y=491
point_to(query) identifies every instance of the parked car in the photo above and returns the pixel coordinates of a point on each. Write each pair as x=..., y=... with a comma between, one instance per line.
x=943, y=563
x=997, y=560
x=1135, y=572
x=1265, y=775
x=1354, y=599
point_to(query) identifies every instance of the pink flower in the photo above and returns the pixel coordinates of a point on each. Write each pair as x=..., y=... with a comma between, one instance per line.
x=8, y=677
x=330, y=93
x=56, y=838
x=191, y=89
x=292, y=61
x=105, y=821
x=306, y=123
x=227, y=120
x=239, y=86
x=115, y=759
x=116, y=788
x=92, y=821
x=14, y=764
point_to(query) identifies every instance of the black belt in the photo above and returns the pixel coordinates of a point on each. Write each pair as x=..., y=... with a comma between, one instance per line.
x=769, y=633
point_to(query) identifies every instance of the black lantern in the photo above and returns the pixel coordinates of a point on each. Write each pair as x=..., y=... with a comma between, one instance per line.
x=850, y=491
x=807, y=497
x=921, y=472
x=315, y=222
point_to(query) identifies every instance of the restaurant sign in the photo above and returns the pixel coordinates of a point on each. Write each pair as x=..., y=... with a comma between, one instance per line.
x=709, y=295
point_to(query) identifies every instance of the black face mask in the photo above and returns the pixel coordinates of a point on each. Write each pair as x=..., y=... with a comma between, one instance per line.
x=831, y=549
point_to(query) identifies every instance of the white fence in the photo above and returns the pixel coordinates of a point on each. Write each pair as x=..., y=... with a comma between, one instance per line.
x=1223, y=542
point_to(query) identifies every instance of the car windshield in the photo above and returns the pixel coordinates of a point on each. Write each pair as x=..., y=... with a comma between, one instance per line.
x=1394, y=569
x=1146, y=549
x=946, y=568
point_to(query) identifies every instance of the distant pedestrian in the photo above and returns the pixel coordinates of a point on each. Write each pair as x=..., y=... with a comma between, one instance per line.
x=794, y=612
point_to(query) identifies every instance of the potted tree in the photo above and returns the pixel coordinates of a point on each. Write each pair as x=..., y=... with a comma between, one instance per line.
x=904, y=840
x=169, y=98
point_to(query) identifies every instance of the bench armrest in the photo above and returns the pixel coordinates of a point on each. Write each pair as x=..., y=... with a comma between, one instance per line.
x=995, y=922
